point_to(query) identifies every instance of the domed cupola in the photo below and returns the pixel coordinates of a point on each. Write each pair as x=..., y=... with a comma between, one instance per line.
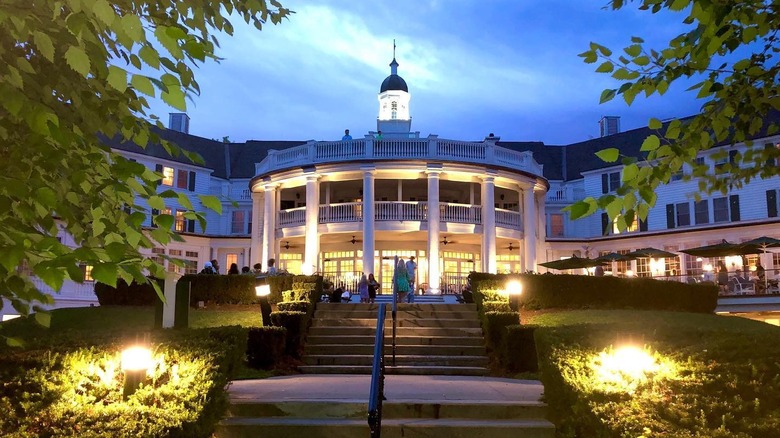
x=394, y=99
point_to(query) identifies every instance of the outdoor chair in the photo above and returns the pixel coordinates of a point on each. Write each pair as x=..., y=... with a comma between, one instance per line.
x=743, y=286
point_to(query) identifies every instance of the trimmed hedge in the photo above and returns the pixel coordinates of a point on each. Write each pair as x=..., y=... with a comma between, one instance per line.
x=582, y=292
x=221, y=289
x=496, y=306
x=294, y=306
x=495, y=324
x=134, y=294
x=75, y=391
x=518, y=349
x=265, y=346
x=294, y=323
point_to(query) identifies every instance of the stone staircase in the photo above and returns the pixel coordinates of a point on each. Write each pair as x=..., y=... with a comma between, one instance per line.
x=418, y=299
x=431, y=339
x=463, y=409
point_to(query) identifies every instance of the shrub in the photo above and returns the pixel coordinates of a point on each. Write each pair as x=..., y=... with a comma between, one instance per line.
x=294, y=323
x=518, y=350
x=294, y=306
x=265, y=346
x=496, y=306
x=134, y=294
x=579, y=291
x=221, y=289
x=494, y=325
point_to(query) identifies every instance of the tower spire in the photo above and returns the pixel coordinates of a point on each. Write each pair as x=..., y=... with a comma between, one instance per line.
x=394, y=64
x=393, y=48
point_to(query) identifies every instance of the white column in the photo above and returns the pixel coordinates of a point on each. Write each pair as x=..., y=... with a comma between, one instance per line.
x=257, y=216
x=434, y=224
x=312, y=244
x=269, y=224
x=541, y=227
x=277, y=244
x=489, y=224
x=368, y=220
x=529, y=227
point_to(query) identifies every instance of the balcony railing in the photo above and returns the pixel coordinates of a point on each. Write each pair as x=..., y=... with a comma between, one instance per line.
x=386, y=211
x=316, y=152
x=509, y=219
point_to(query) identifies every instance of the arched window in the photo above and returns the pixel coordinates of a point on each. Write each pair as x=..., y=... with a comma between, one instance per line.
x=394, y=109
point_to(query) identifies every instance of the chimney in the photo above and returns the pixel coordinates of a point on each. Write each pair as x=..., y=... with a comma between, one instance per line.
x=609, y=125
x=179, y=122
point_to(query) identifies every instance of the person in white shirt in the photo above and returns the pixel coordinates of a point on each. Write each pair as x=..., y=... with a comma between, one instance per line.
x=411, y=269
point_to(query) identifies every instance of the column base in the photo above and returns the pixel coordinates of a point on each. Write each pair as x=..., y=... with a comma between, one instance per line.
x=433, y=291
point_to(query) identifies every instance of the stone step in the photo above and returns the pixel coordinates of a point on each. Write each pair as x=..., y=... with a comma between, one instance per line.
x=411, y=360
x=368, y=349
x=421, y=322
x=273, y=427
x=408, y=313
x=399, y=340
x=391, y=409
x=407, y=370
x=401, y=306
x=400, y=331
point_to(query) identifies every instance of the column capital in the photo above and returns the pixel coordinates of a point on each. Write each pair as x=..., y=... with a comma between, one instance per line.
x=256, y=196
x=526, y=185
x=270, y=186
x=368, y=169
x=312, y=176
x=434, y=169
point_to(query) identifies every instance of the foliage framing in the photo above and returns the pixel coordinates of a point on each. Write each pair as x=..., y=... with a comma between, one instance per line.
x=73, y=73
x=739, y=93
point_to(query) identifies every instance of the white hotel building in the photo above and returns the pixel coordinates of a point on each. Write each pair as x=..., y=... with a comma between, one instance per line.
x=345, y=207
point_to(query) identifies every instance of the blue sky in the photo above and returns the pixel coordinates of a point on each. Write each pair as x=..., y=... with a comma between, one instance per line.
x=472, y=67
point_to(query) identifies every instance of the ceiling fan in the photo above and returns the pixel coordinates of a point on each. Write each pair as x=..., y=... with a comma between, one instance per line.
x=288, y=246
x=445, y=241
x=354, y=241
x=511, y=248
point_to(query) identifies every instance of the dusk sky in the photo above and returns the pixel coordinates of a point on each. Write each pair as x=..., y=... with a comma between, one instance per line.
x=472, y=67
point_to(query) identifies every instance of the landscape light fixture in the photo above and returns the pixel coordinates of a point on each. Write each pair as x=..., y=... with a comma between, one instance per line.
x=627, y=364
x=263, y=291
x=514, y=289
x=135, y=363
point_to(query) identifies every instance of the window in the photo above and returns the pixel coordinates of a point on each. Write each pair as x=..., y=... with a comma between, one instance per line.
x=693, y=264
x=174, y=252
x=237, y=222
x=629, y=229
x=190, y=267
x=181, y=179
x=683, y=214
x=771, y=203
x=231, y=258
x=180, y=222
x=394, y=109
x=610, y=182
x=702, y=211
x=167, y=176
x=720, y=210
x=672, y=264
x=556, y=225
x=87, y=271
x=192, y=254
x=643, y=267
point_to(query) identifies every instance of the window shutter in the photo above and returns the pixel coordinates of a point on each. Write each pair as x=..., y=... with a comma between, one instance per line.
x=642, y=225
x=158, y=168
x=155, y=212
x=604, y=183
x=192, y=181
x=669, y=215
x=734, y=203
x=733, y=157
x=604, y=224
x=768, y=147
x=190, y=225
x=771, y=203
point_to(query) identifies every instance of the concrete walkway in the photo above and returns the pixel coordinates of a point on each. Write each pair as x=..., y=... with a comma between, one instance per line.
x=398, y=388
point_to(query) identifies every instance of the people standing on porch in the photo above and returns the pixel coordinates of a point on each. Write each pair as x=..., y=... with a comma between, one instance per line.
x=215, y=266
x=723, y=277
x=760, y=278
x=373, y=287
x=379, y=135
x=271, y=267
x=401, y=281
x=346, y=135
x=258, y=268
x=363, y=288
x=233, y=269
x=411, y=270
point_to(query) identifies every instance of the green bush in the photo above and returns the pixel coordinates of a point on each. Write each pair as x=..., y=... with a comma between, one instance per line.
x=221, y=289
x=294, y=306
x=134, y=294
x=494, y=325
x=77, y=391
x=265, y=346
x=294, y=323
x=582, y=292
x=496, y=306
x=518, y=350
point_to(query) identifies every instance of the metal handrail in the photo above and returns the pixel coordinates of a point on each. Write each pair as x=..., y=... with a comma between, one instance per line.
x=376, y=393
x=395, y=303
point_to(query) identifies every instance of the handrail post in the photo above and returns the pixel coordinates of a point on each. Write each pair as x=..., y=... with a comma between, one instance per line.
x=376, y=392
x=395, y=302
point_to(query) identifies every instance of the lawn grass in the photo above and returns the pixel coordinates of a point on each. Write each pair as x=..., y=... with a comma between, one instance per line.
x=726, y=379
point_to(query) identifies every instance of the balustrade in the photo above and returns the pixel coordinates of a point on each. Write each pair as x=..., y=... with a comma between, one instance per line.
x=400, y=211
x=509, y=219
x=461, y=213
x=345, y=212
x=292, y=217
x=401, y=147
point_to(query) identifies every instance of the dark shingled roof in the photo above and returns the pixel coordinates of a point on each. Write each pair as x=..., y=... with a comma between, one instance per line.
x=244, y=156
x=393, y=82
x=548, y=156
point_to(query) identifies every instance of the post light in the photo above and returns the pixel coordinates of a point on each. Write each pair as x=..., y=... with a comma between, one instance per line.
x=629, y=273
x=135, y=363
x=263, y=291
x=514, y=289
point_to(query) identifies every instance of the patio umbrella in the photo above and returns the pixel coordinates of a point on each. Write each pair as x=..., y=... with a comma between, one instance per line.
x=651, y=253
x=722, y=249
x=572, y=263
x=614, y=257
x=761, y=244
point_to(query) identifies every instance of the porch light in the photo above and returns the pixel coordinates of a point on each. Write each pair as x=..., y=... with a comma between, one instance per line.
x=135, y=363
x=514, y=287
x=263, y=291
x=708, y=267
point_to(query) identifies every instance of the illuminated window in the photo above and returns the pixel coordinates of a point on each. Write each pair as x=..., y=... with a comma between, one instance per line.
x=180, y=222
x=87, y=271
x=175, y=252
x=556, y=225
x=231, y=258
x=190, y=267
x=394, y=109
x=192, y=254
x=629, y=229
x=167, y=176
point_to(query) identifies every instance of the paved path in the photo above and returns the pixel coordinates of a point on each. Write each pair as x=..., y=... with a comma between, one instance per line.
x=346, y=387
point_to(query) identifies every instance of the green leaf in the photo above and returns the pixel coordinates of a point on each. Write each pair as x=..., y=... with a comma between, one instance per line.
x=606, y=67
x=211, y=202
x=184, y=201
x=654, y=124
x=77, y=60
x=44, y=44
x=606, y=96
x=43, y=318
x=651, y=143
x=104, y=11
x=633, y=50
x=117, y=78
x=609, y=155
x=105, y=273
x=157, y=202
x=175, y=98
x=10, y=257
x=14, y=342
x=52, y=277
x=131, y=24
x=142, y=84
x=164, y=221
x=614, y=208
x=630, y=172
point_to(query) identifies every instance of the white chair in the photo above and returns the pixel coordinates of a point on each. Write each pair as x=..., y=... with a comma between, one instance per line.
x=743, y=286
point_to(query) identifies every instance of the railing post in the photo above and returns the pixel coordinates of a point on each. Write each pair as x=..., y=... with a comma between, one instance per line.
x=433, y=146
x=369, y=147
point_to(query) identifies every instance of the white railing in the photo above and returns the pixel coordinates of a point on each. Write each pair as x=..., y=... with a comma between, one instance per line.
x=431, y=148
x=70, y=289
x=245, y=195
x=292, y=217
x=461, y=213
x=346, y=212
x=400, y=211
x=509, y=219
x=557, y=195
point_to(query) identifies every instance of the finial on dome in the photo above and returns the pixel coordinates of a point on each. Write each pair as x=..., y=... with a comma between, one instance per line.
x=394, y=64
